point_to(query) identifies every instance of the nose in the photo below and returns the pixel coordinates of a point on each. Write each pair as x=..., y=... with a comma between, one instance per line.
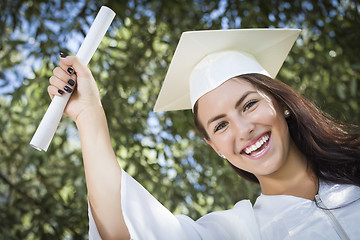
x=243, y=130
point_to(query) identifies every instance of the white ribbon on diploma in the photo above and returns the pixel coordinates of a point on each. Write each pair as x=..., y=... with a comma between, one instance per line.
x=48, y=125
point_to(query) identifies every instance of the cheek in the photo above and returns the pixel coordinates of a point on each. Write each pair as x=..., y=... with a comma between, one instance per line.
x=281, y=132
x=265, y=115
x=222, y=143
x=269, y=116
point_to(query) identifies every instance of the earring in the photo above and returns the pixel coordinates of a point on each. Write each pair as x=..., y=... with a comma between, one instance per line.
x=222, y=155
x=286, y=113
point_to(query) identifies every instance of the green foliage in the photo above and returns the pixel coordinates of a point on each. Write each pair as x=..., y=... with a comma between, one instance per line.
x=43, y=195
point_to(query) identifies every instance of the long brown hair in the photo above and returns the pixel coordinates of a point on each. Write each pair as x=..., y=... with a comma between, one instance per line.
x=331, y=147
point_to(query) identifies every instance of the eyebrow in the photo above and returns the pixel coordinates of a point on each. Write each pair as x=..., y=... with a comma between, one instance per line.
x=243, y=97
x=238, y=103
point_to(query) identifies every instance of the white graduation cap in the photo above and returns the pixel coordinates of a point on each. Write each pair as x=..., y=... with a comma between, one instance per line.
x=203, y=60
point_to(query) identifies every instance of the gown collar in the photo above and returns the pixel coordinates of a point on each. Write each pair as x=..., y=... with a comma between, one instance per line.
x=332, y=195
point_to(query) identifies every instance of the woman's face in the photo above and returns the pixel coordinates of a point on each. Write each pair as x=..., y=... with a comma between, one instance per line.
x=247, y=126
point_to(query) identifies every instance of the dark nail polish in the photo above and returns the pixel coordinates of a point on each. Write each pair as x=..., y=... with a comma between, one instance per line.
x=66, y=88
x=63, y=55
x=60, y=91
x=70, y=70
x=71, y=82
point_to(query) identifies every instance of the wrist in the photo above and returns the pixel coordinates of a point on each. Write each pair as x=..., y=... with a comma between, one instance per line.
x=93, y=112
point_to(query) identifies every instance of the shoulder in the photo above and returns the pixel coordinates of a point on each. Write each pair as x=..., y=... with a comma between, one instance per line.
x=244, y=207
x=237, y=221
x=336, y=195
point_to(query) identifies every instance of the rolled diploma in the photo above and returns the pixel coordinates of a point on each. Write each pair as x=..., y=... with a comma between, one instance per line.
x=47, y=127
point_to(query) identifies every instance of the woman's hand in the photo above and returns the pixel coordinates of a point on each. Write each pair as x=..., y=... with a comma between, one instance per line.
x=73, y=76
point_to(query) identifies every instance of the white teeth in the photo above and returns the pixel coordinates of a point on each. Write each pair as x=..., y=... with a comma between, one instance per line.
x=257, y=145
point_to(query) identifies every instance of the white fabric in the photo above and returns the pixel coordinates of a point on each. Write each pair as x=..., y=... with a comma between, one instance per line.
x=146, y=218
x=268, y=47
x=279, y=217
x=289, y=217
x=219, y=67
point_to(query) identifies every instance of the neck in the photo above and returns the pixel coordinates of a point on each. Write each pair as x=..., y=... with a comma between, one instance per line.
x=295, y=178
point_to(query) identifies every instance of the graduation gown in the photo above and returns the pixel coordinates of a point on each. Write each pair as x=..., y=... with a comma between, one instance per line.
x=272, y=217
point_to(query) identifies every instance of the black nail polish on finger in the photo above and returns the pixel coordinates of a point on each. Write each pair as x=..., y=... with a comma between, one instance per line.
x=70, y=70
x=61, y=91
x=68, y=89
x=71, y=82
x=63, y=55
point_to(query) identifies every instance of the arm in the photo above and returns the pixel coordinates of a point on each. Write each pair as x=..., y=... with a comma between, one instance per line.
x=103, y=173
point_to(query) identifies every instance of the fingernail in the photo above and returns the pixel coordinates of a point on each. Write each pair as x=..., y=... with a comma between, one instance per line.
x=70, y=70
x=63, y=55
x=61, y=92
x=66, y=88
x=71, y=82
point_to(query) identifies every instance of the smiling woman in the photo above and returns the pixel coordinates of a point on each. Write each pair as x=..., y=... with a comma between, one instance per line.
x=247, y=126
x=307, y=164
x=320, y=138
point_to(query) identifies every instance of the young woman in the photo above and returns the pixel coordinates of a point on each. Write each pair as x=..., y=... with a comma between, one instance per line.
x=307, y=164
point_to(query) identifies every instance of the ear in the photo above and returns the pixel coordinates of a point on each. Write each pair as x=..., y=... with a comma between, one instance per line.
x=211, y=145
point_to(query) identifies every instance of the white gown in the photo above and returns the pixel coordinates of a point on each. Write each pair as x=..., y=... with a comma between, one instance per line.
x=272, y=217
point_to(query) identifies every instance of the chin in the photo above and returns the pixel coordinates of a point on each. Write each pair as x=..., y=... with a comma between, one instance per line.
x=267, y=167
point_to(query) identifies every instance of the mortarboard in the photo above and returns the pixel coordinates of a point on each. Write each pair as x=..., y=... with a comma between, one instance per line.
x=203, y=60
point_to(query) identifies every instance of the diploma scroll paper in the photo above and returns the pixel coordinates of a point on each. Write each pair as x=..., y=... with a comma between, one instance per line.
x=51, y=119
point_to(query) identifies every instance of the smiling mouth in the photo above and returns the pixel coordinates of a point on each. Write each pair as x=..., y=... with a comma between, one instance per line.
x=257, y=147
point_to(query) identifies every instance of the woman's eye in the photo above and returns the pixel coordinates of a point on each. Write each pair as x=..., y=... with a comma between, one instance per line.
x=220, y=126
x=249, y=104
